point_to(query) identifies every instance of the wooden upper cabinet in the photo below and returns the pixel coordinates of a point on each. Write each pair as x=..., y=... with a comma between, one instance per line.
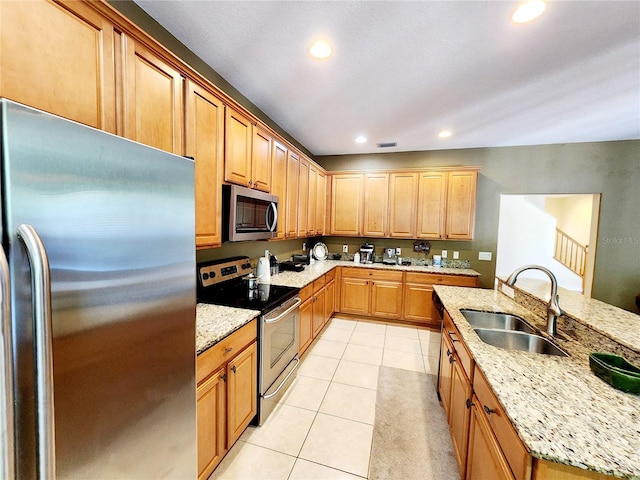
x=279, y=183
x=376, y=203
x=237, y=153
x=291, y=208
x=461, y=205
x=153, y=108
x=312, y=201
x=303, y=197
x=59, y=58
x=205, y=143
x=261, y=159
x=403, y=192
x=321, y=209
x=432, y=197
x=346, y=204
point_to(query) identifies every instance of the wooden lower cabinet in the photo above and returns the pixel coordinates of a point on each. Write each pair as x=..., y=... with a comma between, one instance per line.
x=370, y=292
x=305, y=326
x=485, y=459
x=227, y=395
x=318, y=300
x=459, y=412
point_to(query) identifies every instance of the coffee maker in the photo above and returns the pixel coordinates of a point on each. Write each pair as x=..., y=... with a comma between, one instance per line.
x=366, y=253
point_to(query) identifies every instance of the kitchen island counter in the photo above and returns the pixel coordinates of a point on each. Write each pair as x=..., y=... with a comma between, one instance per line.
x=561, y=411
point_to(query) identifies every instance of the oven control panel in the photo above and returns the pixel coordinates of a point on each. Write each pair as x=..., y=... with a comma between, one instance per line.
x=211, y=273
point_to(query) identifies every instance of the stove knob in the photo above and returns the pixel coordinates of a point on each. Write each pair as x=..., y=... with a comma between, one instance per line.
x=205, y=276
x=246, y=265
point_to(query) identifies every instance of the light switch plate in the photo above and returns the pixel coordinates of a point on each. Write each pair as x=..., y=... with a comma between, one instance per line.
x=444, y=254
x=484, y=256
x=456, y=255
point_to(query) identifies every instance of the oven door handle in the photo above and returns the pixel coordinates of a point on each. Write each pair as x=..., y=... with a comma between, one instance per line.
x=285, y=313
x=285, y=379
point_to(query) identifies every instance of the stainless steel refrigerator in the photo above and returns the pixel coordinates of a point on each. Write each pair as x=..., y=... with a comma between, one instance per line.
x=98, y=304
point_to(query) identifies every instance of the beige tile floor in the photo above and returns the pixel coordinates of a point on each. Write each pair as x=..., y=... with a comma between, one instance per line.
x=323, y=426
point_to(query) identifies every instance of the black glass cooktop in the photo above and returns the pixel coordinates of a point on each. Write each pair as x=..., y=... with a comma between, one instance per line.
x=237, y=295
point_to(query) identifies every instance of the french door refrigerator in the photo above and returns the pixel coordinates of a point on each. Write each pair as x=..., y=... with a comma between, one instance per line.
x=98, y=304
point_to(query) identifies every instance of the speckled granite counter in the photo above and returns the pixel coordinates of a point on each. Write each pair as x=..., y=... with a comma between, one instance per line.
x=215, y=322
x=319, y=268
x=561, y=411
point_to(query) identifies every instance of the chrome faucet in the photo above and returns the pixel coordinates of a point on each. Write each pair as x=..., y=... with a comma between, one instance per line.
x=553, y=307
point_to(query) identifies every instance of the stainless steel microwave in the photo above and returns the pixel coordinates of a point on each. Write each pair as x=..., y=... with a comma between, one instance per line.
x=248, y=214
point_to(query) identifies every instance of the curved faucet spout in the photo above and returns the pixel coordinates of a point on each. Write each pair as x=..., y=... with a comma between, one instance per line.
x=553, y=307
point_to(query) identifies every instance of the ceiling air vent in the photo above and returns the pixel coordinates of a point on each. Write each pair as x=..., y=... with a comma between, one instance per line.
x=387, y=144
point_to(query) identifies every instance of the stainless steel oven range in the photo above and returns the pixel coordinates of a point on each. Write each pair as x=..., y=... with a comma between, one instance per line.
x=222, y=282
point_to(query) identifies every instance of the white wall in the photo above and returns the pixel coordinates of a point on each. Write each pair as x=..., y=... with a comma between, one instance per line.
x=526, y=235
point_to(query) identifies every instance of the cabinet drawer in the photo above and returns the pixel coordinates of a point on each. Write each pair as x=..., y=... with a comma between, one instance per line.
x=511, y=445
x=372, y=274
x=306, y=292
x=224, y=350
x=318, y=284
x=443, y=279
x=330, y=276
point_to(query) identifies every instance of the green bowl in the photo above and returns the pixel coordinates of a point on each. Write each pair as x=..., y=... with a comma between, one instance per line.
x=616, y=371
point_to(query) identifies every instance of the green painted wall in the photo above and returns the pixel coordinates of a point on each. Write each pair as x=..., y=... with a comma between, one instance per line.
x=609, y=168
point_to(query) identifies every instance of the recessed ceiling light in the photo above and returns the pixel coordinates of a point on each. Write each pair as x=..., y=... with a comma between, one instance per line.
x=361, y=139
x=444, y=134
x=320, y=49
x=528, y=10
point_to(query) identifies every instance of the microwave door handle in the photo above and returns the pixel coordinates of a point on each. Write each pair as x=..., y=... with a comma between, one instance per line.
x=274, y=207
x=41, y=298
x=6, y=409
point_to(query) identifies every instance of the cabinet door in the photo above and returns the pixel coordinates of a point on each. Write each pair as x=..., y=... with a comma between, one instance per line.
x=484, y=458
x=279, y=183
x=346, y=204
x=432, y=196
x=386, y=299
x=459, y=414
x=319, y=316
x=376, y=203
x=237, y=150
x=303, y=198
x=293, y=180
x=306, y=325
x=153, y=108
x=329, y=299
x=242, y=392
x=261, y=159
x=418, y=303
x=354, y=295
x=446, y=372
x=205, y=143
x=461, y=205
x=312, y=202
x=321, y=210
x=403, y=191
x=211, y=413
x=59, y=58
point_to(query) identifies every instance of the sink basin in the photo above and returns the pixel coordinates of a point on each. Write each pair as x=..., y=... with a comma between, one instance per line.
x=492, y=320
x=525, y=342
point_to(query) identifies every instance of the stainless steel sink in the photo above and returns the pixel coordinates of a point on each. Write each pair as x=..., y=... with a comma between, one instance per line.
x=525, y=342
x=492, y=320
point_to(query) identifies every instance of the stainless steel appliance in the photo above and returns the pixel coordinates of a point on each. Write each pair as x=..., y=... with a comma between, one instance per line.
x=366, y=253
x=248, y=214
x=221, y=282
x=98, y=304
x=389, y=256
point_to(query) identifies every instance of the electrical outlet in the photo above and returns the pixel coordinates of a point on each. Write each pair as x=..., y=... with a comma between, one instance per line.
x=484, y=256
x=398, y=251
x=456, y=255
x=345, y=248
x=304, y=246
x=444, y=254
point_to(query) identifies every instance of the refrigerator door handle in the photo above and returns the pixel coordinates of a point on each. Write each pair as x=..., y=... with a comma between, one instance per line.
x=6, y=407
x=43, y=342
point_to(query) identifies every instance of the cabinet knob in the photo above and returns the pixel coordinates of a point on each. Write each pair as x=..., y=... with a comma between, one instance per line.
x=223, y=377
x=233, y=369
x=469, y=403
x=227, y=350
x=451, y=359
x=449, y=353
x=488, y=410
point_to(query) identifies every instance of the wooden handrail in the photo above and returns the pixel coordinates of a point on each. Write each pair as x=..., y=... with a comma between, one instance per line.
x=570, y=252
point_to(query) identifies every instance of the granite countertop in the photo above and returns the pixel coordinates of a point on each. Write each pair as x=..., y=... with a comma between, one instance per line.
x=560, y=409
x=215, y=322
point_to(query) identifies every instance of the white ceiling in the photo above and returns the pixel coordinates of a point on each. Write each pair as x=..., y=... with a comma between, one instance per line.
x=402, y=71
